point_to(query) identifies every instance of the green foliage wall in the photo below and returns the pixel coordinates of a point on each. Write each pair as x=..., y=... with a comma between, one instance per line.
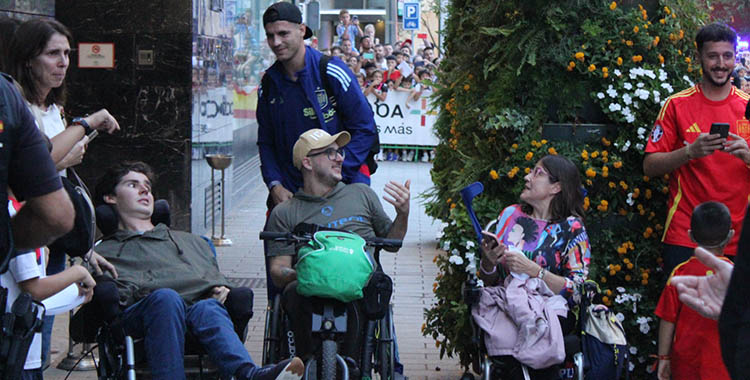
x=511, y=66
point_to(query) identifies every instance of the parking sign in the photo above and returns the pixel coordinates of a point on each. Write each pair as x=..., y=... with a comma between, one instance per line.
x=411, y=16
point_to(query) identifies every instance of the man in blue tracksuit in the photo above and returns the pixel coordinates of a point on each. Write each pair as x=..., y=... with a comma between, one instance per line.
x=293, y=99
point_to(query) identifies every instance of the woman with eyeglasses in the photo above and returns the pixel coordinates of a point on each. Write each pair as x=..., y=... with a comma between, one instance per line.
x=542, y=238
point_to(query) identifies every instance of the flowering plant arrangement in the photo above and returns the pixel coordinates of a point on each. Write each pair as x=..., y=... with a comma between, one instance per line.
x=622, y=61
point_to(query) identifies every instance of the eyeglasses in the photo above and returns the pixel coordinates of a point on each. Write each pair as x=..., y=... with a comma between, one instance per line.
x=540, y=170
x=331, y=152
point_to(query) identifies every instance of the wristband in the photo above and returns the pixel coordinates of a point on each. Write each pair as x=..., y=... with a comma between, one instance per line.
x=82, y=122
x=493, y=271
x=663, y=357
x=541, y=273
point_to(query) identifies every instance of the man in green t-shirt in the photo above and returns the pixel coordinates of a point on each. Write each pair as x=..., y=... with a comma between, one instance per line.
x=324, y=200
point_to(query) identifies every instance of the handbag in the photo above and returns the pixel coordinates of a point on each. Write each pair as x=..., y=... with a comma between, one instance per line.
x=79, y=241
x=333, y=264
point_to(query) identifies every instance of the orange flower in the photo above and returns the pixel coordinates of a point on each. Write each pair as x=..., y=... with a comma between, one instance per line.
x=453, y=205
x=592, y=67
x=466, y=87
x=629, y=43
x=617, y=164
x=628, y=278
x=552, y=151
x=590, y=173
x=635, y=29
x=529, y=156
x=527, y=170
x=514, y=146
x=585, y=155
x=493, y=174
x=612, y=6
x=656, y=41
x=606, y=142
x=603, y=279
x=571, y=66
x=619, y=61
x=612, y=185
x=688, y=60
x=663, y=21
x=586, y=203
x=595, y=154
x=661, y=59
x=580, y=56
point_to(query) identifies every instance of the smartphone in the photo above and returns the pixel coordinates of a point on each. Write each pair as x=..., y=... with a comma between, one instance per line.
x=93, y=135
x=368, y=55
x=720, y=129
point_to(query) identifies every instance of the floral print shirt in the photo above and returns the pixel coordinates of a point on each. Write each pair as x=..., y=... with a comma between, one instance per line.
x=561, y=248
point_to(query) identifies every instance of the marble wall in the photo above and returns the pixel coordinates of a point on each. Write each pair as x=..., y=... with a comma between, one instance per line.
x=150, y=101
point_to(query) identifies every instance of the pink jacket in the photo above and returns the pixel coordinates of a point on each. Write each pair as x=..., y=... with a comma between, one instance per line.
x=519, y=319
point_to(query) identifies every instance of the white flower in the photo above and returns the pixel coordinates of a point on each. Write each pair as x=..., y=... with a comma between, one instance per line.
x=667, y=87
x=633, y=350
x=635, y=104
x=645, y=328
x=480, y=283
x=470, y=244
x=662, y=75
x=617, y=72
x=630, y=118
x=641, y=131
x=600, y=95
x=626, y=146
x=455, y=252
x=614, y=107
x=627, y=99
x=446, y=246
x=470, y=256
x=640, y=85
x=657, y=96
x=650, y=74
x=471, y=267
x=627, y=86
x=455, y=259
x=639, y=146
x=643, y=94
x=631, y=366
x=620, y=317
x=611, y=92
x=630, y=200
x=620, y=289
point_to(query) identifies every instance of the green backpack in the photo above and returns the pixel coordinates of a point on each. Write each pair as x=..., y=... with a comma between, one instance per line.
x=333, y=264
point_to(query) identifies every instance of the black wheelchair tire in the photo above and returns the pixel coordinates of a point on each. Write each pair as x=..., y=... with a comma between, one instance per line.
x=328, y=360
x=386, y=357
x=272, y=340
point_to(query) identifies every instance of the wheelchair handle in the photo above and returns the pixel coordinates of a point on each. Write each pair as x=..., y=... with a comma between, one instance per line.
x=384, y=243
x=278, y=236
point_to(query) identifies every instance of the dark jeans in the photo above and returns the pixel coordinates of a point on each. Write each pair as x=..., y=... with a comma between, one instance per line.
x=162, y=319
x=32, y=374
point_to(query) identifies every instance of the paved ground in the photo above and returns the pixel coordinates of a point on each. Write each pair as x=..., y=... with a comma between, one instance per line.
x=412, y=270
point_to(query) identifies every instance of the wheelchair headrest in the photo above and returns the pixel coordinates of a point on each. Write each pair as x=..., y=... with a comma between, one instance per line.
x=106, y=217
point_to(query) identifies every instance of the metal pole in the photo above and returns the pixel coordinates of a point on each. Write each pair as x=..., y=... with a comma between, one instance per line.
x=223, y=201
x=213, y=206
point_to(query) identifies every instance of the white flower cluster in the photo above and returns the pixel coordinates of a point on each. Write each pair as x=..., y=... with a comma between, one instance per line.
x=627, y=94
x=469, y=258
x=643, y=324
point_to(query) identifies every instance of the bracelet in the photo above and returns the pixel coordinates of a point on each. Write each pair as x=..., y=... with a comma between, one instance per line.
x=663, y=357
x=493, y=271
x=541, y=274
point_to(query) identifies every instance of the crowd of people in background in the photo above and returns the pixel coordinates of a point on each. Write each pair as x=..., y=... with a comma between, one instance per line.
x=741, y=74
x=381, y=68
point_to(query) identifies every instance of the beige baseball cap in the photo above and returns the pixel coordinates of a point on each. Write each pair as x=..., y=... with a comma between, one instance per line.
x=316, y=139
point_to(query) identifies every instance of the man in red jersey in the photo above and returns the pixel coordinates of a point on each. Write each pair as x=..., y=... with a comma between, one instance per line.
x=702, y=166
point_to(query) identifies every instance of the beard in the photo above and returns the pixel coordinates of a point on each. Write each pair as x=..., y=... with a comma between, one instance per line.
x=707, y=76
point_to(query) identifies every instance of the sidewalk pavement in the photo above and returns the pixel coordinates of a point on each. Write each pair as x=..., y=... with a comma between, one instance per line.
x=412, y=270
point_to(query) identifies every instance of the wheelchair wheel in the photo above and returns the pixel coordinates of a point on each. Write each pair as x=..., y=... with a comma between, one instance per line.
x=328, y=360
x=386, y=356
x=272, y=333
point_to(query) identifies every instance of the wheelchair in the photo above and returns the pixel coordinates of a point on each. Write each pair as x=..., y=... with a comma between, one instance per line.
x=330, y=321
x=492, y=368
x=121, y=356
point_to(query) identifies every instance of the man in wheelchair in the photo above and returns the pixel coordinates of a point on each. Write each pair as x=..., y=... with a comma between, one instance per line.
x=325, y=201
x=169, y=284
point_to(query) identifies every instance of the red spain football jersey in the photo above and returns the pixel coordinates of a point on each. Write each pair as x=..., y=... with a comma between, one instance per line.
x=717, y=177
x=695, y=348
